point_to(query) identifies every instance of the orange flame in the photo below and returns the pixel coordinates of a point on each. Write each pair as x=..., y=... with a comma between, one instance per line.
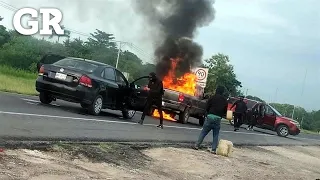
x=186, y=84
x=166, y=116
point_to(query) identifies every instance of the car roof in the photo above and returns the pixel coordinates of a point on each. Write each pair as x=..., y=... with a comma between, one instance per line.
x=91, y=61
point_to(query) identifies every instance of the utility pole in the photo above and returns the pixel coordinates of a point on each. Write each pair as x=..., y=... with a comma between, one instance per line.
x=246, y=92
x=120, y=44
x=302, y=90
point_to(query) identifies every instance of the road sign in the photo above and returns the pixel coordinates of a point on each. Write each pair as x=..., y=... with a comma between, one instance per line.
x=202, y=75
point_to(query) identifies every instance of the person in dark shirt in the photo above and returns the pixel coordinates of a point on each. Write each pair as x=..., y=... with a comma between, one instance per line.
x=156, y=91
x=217, y=107
x=241, y=108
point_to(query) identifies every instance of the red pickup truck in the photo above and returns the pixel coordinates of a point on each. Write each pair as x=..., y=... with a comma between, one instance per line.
x=269, y=119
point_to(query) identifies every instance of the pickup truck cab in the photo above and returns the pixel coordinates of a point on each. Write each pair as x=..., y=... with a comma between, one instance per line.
x=269, y=118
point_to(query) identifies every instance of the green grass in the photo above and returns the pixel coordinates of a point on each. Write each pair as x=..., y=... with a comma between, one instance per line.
x=17, y=81
x=309, y=132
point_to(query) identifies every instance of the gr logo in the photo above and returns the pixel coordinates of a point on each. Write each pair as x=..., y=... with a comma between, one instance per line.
x=33, y=25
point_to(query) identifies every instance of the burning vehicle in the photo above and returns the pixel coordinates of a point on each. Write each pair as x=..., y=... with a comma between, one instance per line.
x=171, y=26
x=182, y=97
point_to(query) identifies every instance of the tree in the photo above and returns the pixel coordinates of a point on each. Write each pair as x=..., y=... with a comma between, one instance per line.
x=67, y=33
x=1, y=18
x=221, y=73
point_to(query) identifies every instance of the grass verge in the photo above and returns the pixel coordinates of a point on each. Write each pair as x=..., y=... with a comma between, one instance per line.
x=17, y=81
x=309, y=132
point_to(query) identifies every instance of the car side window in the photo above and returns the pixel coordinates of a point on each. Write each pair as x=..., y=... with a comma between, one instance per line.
x=121, y=79
x=268, y=110
x=109, y=74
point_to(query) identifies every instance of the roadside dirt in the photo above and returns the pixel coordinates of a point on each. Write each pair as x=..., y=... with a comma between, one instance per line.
x=118, y=161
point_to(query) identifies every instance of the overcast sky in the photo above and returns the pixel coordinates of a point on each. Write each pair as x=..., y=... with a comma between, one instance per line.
x=271, y=43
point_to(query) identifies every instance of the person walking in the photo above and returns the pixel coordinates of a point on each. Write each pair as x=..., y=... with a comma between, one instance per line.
x=155, y=87
x=216, y=108
x=239, y=113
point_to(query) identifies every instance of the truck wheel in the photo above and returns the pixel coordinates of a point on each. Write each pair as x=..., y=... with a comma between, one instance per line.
x=96, y=106
x=282, y=130
x=184, y=116
x=128, y=114
x=231, y=122
x=45, y=98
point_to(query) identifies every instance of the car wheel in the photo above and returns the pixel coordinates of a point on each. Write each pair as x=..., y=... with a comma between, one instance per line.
x=184, y=116
x=45, y=98
x=128, y=114
x=96, y=107
x=231, y=122
x=282, y=130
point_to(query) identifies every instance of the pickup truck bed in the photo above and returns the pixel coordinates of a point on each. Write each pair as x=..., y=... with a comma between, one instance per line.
x=184, y=105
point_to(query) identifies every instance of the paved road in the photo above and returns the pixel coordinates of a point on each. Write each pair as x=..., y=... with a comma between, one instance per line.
x=23, y=117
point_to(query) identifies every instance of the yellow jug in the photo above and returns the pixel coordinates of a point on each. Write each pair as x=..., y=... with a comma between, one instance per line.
x=229, y=115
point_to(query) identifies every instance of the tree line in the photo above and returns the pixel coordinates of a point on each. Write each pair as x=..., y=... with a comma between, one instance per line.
x=23, y=52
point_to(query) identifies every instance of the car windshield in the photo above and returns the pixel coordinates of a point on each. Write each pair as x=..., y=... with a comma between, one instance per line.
x=76, y=64
x=277, y=112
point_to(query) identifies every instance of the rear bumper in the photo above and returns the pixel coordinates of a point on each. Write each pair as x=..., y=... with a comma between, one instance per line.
x=77, y=94
x=173, y=106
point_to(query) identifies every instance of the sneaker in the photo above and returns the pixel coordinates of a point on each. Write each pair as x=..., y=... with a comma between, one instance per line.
x=140, y=122
x=248, y=129
x=196, y=147
x=160, y=126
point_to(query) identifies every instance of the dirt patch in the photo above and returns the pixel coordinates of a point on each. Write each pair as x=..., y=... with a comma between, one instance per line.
x=121, y=161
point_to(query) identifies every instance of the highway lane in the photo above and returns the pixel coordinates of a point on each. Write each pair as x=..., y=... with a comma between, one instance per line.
x=24, y=117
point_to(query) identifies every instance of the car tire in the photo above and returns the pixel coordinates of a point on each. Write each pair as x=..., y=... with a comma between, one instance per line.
x=128, y=114
x=184, y=116
x=231, y=122
x=282, y=130
x=96, y=106
x=45, y=98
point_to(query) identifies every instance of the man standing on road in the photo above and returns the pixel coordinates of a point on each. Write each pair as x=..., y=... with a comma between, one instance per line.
x=156, y=91
x=241, y=108
x=217, y=107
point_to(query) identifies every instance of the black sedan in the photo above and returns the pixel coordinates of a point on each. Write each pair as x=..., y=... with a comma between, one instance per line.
x=94, y=85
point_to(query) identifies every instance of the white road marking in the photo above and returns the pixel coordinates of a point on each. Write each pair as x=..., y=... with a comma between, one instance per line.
x=37, y=102
x=132, y=123
x=30, y=100
x=32, y=103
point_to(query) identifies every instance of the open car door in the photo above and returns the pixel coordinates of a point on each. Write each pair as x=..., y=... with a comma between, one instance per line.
x=49, y=59
x=138, y=95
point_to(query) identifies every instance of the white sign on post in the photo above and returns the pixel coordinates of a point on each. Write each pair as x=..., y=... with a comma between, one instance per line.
x=202, y=75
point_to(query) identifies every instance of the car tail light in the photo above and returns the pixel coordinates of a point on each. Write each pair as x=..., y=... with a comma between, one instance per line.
x=181, y=97
x=85, y=81
x=41, y=70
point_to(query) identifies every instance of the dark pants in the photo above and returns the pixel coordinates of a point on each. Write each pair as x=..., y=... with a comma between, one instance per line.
x=157, y=101
x=238, y=119
x=253, y=121
x=210, y=124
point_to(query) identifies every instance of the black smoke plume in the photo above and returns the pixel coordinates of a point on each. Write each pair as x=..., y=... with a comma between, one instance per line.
x=172, y=25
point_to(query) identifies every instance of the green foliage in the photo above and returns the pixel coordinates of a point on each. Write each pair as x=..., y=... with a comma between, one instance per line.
x=23, y=52
x=221, y=73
